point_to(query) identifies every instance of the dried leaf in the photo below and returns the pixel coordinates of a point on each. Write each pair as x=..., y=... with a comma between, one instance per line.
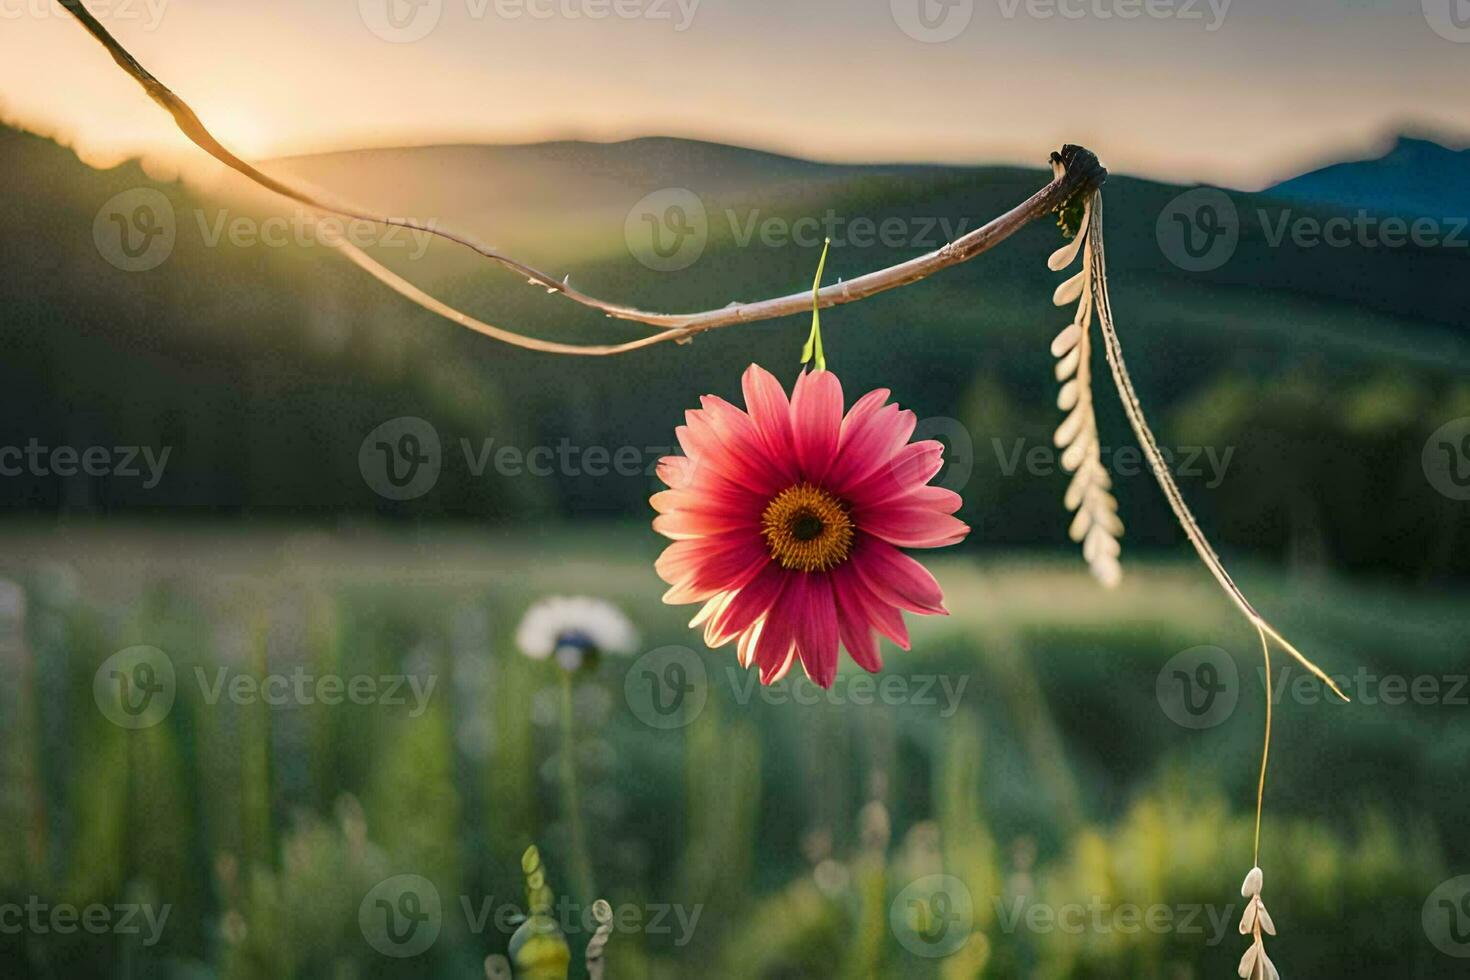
x=1070, y=290
x=1066, y=340
x=1266, y=923
x=1248, y=961
x=1067, y=254
x=1248, y=919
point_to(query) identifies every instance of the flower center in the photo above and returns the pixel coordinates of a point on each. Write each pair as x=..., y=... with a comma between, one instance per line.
x=807, y=529
x=575, y=650
x=575, y=638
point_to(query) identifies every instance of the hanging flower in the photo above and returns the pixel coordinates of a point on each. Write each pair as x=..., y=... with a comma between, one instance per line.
x=787, y=519
x=575, y=631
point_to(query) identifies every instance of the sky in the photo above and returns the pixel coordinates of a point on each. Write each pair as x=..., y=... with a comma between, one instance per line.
x=1239, y=93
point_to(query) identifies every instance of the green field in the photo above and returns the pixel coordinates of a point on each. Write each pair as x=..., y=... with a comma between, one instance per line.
x=1020, y=749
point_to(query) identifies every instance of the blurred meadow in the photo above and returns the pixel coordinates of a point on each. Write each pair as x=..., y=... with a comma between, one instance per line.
x=1019, y=749
x=1032, y=792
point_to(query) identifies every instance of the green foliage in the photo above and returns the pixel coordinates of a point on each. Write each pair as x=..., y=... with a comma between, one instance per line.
x=791, y=828
x=722, y=797
x=1311, y=451
x=299, y=918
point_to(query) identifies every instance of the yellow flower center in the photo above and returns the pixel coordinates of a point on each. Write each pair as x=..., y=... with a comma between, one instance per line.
x=807, y=529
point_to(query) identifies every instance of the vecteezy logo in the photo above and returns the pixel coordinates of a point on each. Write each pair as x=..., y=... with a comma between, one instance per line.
x=401, y=915
x=401, y=458
x=1450, y=19
x=1199, y=687
x=932, y=21
x=401, y=21
x=667, y=230
x=135, y=688
x=1446, y=917
x=667, y=688
x=933, y=917
x=1446, y=459
x=1199, y=229
x=136, y=230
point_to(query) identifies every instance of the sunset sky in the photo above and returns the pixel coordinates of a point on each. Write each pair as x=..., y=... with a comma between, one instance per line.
x=1237, y=92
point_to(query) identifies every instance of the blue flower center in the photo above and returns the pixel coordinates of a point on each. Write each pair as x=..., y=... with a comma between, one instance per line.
x=575, y=640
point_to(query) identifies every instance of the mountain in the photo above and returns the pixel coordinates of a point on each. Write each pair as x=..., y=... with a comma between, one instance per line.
x=262, y=361
x=474, y=177
x=1415, y=178
x=549, y=201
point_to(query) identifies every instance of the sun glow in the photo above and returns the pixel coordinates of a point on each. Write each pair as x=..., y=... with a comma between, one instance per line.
x=242, y=132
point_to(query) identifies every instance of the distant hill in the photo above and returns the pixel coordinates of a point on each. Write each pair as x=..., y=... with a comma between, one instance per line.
x=550, y=201
x=477, y=176
x=263, y=367
x=1415, y=178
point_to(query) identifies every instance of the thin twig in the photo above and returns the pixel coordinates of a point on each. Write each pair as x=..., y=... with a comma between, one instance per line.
x=1081, y=173
x=1265, y=749
x=1134, y=410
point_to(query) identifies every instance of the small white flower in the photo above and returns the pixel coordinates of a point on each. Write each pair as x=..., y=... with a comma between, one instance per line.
x=573, y=630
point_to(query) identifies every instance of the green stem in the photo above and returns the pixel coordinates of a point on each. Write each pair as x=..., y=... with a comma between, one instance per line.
x=813, y=351
x=571, y=800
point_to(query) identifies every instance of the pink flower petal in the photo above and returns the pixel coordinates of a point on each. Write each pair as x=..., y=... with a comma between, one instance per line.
x=868, y=445
x=714, y=605
x=683, y=525
x=707, y=616
x=861, y=411
x=910, y=468
x=935, y=498
x=742, y=440
x=713, y=496
x=895, y=578
x=816, y=626
x=698, y=569
x=911, y=527
x=701, y=439
x=774, y=672
x=712, y=637
x=750, y=604
x=854, y=627
x=775, y=645
x=674, y=471
x=770, y=410
x=884, y=617
x=745, y=646
x=816, y=421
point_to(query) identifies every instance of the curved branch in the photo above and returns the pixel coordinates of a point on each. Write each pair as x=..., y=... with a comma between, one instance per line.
x=415, y=295
x=1079, y=173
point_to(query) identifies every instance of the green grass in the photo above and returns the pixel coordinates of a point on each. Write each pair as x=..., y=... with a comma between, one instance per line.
x=1053, y=776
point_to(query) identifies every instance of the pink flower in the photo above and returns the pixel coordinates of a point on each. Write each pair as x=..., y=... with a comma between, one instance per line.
x=787, y=519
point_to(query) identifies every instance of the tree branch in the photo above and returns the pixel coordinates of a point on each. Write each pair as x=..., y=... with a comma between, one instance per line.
x=1077, y=172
